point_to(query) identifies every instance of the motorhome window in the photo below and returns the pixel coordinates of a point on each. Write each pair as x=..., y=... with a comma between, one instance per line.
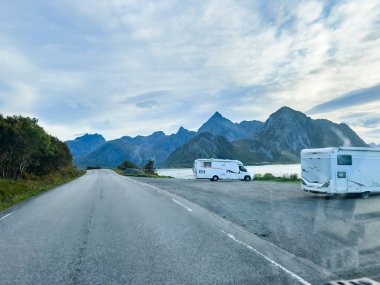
x=207, y=164
x=341, y=174
x=241, y=168
x=344, y=159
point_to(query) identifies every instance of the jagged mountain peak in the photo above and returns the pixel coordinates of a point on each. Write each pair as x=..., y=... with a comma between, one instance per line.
x=87, y=137
x=286, y=112
x=181, y=129
x=157, y=134
x=286, y=116
x=85, y=144
x=219, y=125
x=217, y=115
x=216, y=118
x=279, y=139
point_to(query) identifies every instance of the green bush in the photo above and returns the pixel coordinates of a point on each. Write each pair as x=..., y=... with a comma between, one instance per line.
x=127, y=164
x=268, y=176
x=293, y=177
x=271, y=177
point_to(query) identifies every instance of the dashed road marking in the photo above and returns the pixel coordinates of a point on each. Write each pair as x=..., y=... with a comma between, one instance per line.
x=179, y=203
x=290, y=273
x=7, y=215
x=144, y=184
x=158, y=191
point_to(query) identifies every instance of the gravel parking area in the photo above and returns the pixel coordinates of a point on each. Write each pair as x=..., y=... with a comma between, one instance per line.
x=340, y=234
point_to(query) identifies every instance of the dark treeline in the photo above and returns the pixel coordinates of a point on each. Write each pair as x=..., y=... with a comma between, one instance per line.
x=27, y=150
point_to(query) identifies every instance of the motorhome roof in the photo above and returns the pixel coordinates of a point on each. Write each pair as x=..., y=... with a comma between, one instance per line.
x=346, y=148
x=359, y=148
x=217, y=159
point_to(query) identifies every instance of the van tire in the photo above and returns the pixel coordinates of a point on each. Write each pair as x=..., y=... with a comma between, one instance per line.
x=364, y=195
x=247, y=178
x=215, y=178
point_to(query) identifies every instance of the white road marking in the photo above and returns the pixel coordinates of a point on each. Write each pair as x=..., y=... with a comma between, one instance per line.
x=158, y=190
x=7, y=215
x=293, y=275
x=179, y=203
x=144, y=184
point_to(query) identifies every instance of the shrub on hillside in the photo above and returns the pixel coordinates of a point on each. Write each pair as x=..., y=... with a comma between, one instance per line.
x=127, y=164
x=26, y=149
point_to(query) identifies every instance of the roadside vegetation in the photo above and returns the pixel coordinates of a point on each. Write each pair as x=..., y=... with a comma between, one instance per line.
x=31, y=161
x=270, y=177
x=15, y=191
x=128, y=168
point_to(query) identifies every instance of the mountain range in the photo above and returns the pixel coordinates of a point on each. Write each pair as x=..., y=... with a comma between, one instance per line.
x=277, y=140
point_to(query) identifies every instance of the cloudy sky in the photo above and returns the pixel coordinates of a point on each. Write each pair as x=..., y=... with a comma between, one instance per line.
x=133, y=67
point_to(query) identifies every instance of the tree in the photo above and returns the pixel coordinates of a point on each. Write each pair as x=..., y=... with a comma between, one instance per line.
x=127, y=164
x=25, y=148
x=149, y=167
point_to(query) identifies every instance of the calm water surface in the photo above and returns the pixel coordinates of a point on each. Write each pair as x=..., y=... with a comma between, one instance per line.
x=275, y=169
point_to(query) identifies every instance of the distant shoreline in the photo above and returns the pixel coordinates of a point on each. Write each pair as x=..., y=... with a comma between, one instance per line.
x=258, y=164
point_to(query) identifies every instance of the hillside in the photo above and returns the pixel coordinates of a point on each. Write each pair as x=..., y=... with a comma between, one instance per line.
x=219, y=125
x=95, y=151
x=85, y=144
x=277, y=140
x=204, y=145
x=284, y=134
x=287, y=132
x=138, y=150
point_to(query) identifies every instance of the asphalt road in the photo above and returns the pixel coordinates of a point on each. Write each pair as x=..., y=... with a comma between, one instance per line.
x=107, y=229
x=340, y=234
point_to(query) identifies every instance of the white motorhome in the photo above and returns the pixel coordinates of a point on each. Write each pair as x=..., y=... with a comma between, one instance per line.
x=225, y=169
x=341, y=170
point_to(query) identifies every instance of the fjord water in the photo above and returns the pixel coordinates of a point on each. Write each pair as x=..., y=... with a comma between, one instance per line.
x=276, y=169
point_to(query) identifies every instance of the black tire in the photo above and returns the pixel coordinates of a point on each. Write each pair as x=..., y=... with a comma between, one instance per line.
x=364, y=195
x=247, y=178
x=215, y=178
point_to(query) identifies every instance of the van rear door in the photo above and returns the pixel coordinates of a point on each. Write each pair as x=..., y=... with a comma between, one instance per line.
x=316, y=167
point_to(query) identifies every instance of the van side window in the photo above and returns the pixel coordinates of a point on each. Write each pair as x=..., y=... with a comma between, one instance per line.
x=207, y=164
x=344, y=159
x=242, y=168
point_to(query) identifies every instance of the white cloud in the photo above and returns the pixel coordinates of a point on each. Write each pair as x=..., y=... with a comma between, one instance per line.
x=106, y=51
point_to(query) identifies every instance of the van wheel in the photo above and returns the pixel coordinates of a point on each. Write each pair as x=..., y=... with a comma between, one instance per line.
x=247, y=178
x=215, y=178
x=364, y=195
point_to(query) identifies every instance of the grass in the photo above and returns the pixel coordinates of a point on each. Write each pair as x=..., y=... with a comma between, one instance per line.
x=121, y=172
x=270, y=177
x=15, y=191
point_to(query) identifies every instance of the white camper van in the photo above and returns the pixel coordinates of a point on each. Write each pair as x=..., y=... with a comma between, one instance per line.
x=341, y=170
x=215, y=169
